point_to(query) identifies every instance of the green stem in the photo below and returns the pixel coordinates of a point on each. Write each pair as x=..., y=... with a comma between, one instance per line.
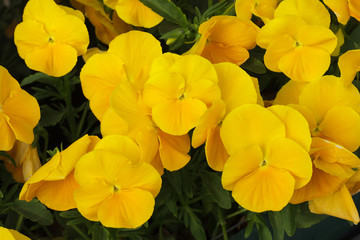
x=210, y=3
x=223, y=225
x=81, y=122
x=19, y=223
x=69, y=109
x=80, y=232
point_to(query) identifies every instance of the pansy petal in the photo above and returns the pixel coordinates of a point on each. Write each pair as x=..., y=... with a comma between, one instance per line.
x=339, y=204
x=321, y=184
x=121, y=145
x=266, y=189
x=112, y=123
x=235, y=85
x=349, y=64
x=278, y=48
x=286, y=154
x=254, y=123
x=216, y=154
x=44, y=11
x=296, y=126
x=58, y=195
x=90, y=196
x=342, y=125
x=173, y=150
x=340, y=8
x=289, y=93
x=24, y=113
x=241, y=164
x=99, y=77
x=126, y=209
x=178, y=117
x=8, y=138
x=312, y=11
x=318, y=37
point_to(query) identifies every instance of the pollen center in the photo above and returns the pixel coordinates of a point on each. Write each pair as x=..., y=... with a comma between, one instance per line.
x=116, y=188
x=181, y=97
x=264, y=163
x=51, y=40
x=297, y=44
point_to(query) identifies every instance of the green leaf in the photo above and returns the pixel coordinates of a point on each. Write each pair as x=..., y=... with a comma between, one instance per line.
x=33, y=210
x=304, y=218
x=254, y=65
x=249, y=228
x=196, y=227
x=36, y=77
x=277, y=223
x=50, y=116
x=167, y=10
x=1, y=194
x=289, y=219
x=212, y=183
x=5, y=154
x=99, y=232
x=70, y=214
x=264, y=232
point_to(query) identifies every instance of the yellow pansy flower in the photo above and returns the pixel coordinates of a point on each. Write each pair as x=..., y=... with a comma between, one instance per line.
x=294, y=47
x=223, y=39
x=237, y=88
x=134, y=12
x=50, y=39
x=332, y=166
x=344, y=9
x=130, y=116
x=179, y=91
x=267, y=163
x=262, y=8
x=128, y=59
x=19, y=112
x=10, y=234
x=26, y=159
x=54, y=184
x=332, y=111
x=116, y=188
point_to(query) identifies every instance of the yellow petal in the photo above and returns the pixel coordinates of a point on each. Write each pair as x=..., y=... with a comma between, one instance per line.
x=71, y=31
x=127, y=209
x=312, y=11
x=212, y=117
x=44, y=11
x=354, y=8
x=90, y=196
x=173, y=150
x=216, y=154
x=148, y=142
x=266, y=189
x=242, y=163
x=58, y=195
x=255, y=124
x=24, y=113
x=98, y=85
x=286, y=154
x=296, y=126
x=236, y=86
x=278, y=27
x=298, y=64
x=243, y=9
x=8, y=138
x=349, y=64
x=178, y=117
x=112, y=123
x=30, y=35
x=317, y=37
x=342, y=125
x=321, y=184
x=10, y=234
x=339, y=204
x=137, y=49
x=260, y=100
x=136, y=13
x=121, y=145
x=340, y=8
x=55, y=59
x=217, y=53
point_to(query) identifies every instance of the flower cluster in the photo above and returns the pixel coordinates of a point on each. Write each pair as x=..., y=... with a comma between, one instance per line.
x=157, y=107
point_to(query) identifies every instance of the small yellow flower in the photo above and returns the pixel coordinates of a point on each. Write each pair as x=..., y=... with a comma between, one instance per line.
x=26, y=159
x=50, y=38
x=54, y=184
x=116, y=188
x=10, y=234
x=179, y=91
x=134, y=12
x=268, y=162
x=223, y=39
x=349, y=64
x=19, y=112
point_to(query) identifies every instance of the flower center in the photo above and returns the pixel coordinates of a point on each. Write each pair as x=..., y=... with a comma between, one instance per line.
x=181, y=97
x=51, y=40
x=116, y=188
x=264, y=163
x=297, y=44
